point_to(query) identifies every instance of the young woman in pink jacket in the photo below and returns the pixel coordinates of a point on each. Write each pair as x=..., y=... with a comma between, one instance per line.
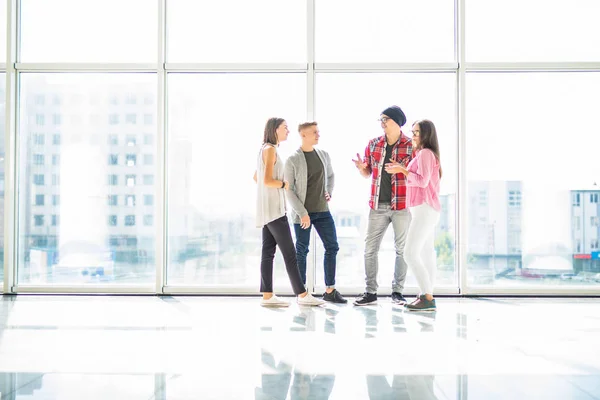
x=423, y=176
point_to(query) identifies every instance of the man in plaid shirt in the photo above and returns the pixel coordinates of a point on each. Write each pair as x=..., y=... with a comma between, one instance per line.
x=387, y=202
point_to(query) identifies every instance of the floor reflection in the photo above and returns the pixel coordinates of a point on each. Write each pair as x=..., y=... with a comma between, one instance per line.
x=78, y=347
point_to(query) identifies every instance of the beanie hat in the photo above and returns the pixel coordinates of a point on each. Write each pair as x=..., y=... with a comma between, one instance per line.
x=395, y=113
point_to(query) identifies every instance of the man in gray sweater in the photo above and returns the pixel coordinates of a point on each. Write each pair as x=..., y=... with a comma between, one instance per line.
x=311, y=180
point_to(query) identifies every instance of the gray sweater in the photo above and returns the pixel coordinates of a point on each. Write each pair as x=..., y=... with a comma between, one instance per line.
x=296, y=174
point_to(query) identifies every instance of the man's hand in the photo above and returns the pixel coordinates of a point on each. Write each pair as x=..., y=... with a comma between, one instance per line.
x=360, y=163
x=327, y=196
x=305, y=222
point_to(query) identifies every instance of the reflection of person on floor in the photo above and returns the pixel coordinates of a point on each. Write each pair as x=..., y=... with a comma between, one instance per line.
x=330, y=320
x=275, y=385
x=305, y=319
x=309, y=386
x=402, y=387
x=398, y=323
x=371, y=321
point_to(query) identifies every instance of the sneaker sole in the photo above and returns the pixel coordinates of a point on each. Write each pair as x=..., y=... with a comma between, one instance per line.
x=365, y=304
x=275, y=305
x=400, y=303
x=421, y=309
x=336, y=302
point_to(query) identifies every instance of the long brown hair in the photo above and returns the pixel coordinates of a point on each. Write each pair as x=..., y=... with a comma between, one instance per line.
x=428, y=138
x=271, y=131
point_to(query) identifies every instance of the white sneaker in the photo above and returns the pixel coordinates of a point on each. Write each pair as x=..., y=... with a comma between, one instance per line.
x=309, y=300
x=274, y=302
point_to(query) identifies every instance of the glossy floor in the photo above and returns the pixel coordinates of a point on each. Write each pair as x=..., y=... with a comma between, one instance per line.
x=73, y=347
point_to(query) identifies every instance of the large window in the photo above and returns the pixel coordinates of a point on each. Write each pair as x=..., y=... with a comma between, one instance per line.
x=134, y=136
x=234, y=31
x=539, y=181
x=346, y=125
x=106, y=31
x=214, y=137
x=70, y=242
x=532, y=30
x=384, y=31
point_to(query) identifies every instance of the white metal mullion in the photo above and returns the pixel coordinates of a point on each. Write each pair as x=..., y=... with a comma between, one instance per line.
x=531, y=66
x=310, y=115
x=352, y=290
x=461, y=203
x=310, y=57
x=385, y=67
x=216, y=290
x=236, y=67
x=85, y=67
x=85, y=289
x=574, y=290
x=10, y=156
x=161, y=152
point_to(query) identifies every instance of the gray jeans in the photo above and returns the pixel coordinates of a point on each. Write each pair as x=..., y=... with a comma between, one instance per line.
x=379, y=220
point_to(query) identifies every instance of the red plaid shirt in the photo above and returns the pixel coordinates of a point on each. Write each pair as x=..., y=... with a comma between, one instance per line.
x=375, y=158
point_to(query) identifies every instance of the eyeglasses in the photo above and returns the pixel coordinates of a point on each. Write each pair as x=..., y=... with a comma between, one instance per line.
x=384, y=119
x=416, y=133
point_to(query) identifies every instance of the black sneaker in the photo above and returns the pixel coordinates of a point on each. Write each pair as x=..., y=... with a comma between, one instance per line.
x=422, y=305
x=397, y=298
x=334, y=297
x=366, y=299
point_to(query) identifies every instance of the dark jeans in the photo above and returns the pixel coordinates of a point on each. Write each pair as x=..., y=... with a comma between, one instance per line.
x=323, y=223
x=277, y=233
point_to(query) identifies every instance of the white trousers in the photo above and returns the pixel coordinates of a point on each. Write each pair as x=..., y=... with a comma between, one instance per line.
x=419, y=250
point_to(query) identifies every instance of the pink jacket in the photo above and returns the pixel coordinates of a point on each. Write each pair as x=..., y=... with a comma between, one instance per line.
x=423, y=180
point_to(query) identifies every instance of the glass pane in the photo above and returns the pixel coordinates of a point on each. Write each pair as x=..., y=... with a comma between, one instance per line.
x=347, y=123
x=84, y=231
x=89, y=31
x=532, y=187
x=236, y=31
x=216, y=125
x=3, y=31
x=532, y=30
x=384, y=31
x=2, y=181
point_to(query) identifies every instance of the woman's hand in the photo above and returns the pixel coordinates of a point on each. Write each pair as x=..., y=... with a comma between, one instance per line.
x=395, y=167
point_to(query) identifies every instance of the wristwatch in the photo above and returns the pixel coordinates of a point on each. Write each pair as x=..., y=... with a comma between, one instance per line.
x=282, y=184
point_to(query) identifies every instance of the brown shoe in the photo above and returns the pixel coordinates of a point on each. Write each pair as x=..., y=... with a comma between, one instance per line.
x=422, y=304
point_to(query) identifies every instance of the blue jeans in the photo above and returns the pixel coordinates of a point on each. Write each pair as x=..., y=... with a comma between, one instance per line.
x=323, y=223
